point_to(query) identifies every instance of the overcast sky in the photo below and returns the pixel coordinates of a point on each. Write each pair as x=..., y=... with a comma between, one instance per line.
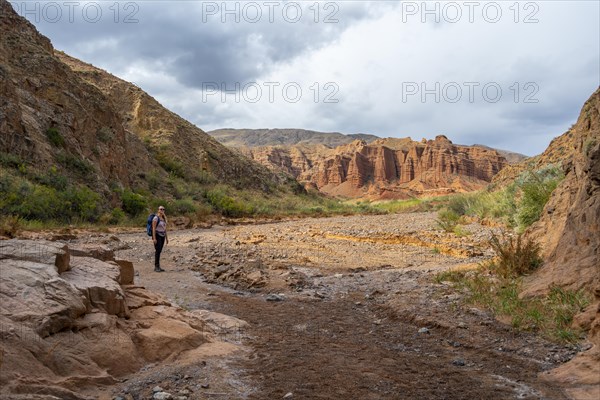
x=507, y=74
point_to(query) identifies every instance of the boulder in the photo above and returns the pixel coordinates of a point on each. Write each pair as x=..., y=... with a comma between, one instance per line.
x=37, y=251
x=138, y=296
x=35, y=295
x=98, y=281
x=127, y=271
x=98, y=251
x=164, y=335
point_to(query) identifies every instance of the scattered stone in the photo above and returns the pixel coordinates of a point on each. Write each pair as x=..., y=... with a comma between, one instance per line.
x=275, y=297
x=462, y=325
x=185, y=392
x=424, y=330
x=459, y=362
x=162, y=396
x=157, y=389
x=288, y=395
x=205, y=386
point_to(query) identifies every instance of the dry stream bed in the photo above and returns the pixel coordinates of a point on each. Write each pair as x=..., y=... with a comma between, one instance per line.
x=338, y=308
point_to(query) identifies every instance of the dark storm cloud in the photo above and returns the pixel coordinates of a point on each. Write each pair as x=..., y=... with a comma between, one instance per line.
x=195, y=45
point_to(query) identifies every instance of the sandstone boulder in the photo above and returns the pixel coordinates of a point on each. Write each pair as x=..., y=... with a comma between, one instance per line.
x=127, y=272
x=138, y=296
x=37, y=251
x=166, y=333
x=36, y=296
x=98, y=281
x=98, y=251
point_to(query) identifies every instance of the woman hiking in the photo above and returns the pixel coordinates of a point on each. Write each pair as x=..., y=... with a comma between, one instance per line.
x=159, y=236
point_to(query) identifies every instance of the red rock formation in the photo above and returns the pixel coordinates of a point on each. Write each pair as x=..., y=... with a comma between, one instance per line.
x=386, y=167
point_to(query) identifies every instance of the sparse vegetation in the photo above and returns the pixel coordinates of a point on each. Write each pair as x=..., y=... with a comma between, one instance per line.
x=461, y=231
x=11, y=161
x=447, y=220
x=588, y=145
x=10, y=225
x=227, y=205
x=536, y=188
x=55, y=138
x=33, y=201
x=105, y=134
x=77, y=165
x=134, y=204
x=514, y=256
x=496, y=285
x=169, y=163
x=517, y=206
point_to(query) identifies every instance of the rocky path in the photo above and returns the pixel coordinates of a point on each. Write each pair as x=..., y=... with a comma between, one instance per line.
x=340, y=308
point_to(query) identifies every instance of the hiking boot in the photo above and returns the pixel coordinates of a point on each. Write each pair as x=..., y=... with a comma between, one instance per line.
x=161, y=270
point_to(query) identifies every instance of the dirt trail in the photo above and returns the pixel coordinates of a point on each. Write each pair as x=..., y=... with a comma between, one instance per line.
x=331, y=318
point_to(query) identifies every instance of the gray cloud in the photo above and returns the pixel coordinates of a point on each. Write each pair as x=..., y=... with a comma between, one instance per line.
x=370, y=52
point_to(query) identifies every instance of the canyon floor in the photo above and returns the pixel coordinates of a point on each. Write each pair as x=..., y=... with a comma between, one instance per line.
x=337, y=308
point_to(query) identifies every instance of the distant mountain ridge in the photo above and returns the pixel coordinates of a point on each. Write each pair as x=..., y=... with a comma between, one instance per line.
x=286, y=137
x=510, y=156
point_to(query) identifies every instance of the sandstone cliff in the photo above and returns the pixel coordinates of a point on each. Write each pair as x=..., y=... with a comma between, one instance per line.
x=385, y=168
x=569, y=231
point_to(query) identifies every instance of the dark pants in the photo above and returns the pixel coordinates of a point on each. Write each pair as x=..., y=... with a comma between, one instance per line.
x=160, y=243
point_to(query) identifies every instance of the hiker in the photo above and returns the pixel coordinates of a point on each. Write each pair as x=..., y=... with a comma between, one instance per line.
x=159, y=236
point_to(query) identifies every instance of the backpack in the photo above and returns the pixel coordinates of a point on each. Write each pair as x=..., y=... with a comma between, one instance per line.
x=149, y=223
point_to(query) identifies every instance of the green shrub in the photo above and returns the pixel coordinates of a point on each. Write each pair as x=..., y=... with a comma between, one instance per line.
x=116, y=216
x=227, y=205
x=536, y=188
x=55, y=138
x=105, y=134
x=11, y=160
x=82, y=203
x=461, y=232
x=39, y=202
x=447, y=220
x=75, y=164
x=461, y=204
x=133, y=204
x=53, y=179
x=183, y=206
x=514, y=257
x=153, y=179
x=170, y=164
x=10, y=225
